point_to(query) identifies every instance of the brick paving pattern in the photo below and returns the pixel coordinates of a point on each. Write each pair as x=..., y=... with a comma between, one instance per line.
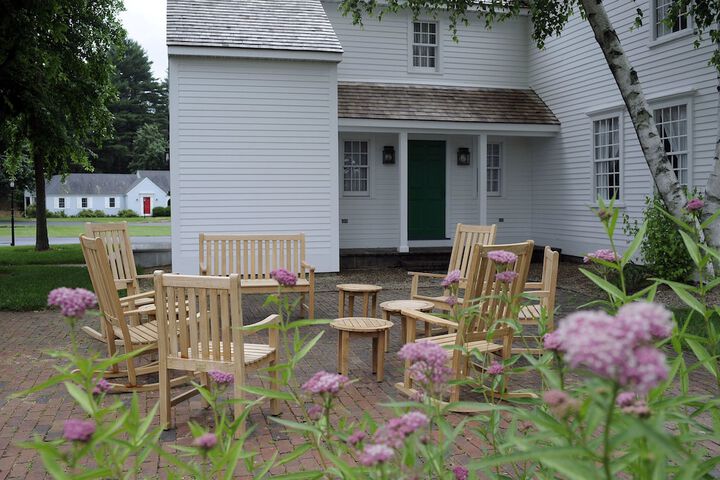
x=27, y=336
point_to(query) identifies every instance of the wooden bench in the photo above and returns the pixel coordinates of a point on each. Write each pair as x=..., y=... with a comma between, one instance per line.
x=253, y=257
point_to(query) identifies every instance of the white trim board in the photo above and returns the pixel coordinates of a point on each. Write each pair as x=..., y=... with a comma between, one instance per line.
x=465, y=128
x=300, y=55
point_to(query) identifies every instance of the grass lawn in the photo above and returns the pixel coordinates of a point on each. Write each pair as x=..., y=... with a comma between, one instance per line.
x=26, y=287
x=26, y=255
x=76, y=230
x=97, y=220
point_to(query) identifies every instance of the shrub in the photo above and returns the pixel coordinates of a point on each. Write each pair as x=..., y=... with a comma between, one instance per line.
x=30, y=211
x=60, y=214
x=662, y=249
x=91, y=213
x=127, y=213
x=161, y=212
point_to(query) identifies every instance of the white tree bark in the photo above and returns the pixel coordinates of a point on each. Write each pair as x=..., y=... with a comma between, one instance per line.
x=712, y=202
x=629, y=84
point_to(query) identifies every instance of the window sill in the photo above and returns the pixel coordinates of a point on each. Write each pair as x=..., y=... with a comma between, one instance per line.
x=356, y=195
x=420, y=71
x=620, y=205
x=670, y=37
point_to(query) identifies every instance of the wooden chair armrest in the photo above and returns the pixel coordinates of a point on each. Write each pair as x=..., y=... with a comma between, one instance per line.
x=273, y=334
x=137, y=311
x=145, y=276
x=427, y=275
x=429, y=318
x=123, y=283
x=307, y=266
x=533, y=285
x=137, y=296
x=203, y=269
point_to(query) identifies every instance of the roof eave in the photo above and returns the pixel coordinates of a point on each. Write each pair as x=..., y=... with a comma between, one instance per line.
x=434, y=126
x=255, y=53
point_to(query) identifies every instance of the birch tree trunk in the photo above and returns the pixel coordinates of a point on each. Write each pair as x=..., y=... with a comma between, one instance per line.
x=629, y=84
x=712, y=202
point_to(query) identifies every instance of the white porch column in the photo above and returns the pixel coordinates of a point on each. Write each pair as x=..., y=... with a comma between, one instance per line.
x=403, y=190
x=480, y=147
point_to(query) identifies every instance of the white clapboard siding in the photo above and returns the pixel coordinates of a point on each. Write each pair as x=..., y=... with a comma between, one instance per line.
x=571, y=76
x=379, y=51
x=253, y=150
x=372, y=221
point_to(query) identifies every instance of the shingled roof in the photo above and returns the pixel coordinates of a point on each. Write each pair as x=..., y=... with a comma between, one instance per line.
x=447, y=104
x=260, y=24
x=105, y=183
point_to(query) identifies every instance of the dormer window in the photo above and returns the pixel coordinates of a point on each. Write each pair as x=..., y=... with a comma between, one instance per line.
x=425, y=46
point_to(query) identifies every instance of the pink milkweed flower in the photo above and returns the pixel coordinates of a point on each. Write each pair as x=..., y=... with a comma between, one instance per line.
x=206, y=441
x=72, y=301
x=103, y=386
x=451, y=300
x=451, y=278
x=560, y=403
x=646, y=321
x=694, y=205
x=221, y=378
x=374, y=454
x=461, y=473
x=284, y=277
x=551, y=341
x=356, y=438
x=76, y=430
x=314, y=412
x=398, y=429
x=502, y=256
x=325, y=382
x=625, y=399
x=506, y=277
x=495, y=368
x=428, y=362
x=602, y=254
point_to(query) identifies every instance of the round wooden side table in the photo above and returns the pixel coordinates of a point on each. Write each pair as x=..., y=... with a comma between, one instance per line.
x=394, y=307
x=352, y=290
x=362, y=327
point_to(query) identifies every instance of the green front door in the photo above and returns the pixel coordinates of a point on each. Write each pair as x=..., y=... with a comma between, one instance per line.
x=426, y=190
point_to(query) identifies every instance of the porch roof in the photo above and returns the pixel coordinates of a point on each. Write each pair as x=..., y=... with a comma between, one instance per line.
x=444, y=104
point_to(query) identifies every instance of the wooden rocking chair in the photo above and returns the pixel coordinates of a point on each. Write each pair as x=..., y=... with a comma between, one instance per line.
x=482, y=331
x=466, y=236
x=116, y=239
x=118, y=332
x=210, y=336
x=544, y=292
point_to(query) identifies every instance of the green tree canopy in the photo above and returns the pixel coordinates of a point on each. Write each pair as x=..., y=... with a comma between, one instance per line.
x=56, y=83
x=149, y=149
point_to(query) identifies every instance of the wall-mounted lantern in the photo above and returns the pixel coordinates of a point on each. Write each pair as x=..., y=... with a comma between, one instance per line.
x=388, y=155
x=463, y=156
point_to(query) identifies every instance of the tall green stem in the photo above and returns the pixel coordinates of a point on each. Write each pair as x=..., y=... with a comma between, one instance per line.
x=606, y=433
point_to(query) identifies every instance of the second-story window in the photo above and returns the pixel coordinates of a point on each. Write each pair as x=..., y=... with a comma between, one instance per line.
x=662, y=8
x=425, y=45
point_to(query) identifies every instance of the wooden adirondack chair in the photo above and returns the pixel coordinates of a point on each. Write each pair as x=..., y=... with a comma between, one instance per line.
x=544, y=292
x=472, y=332
x=118, y=331
x=210, y=336
x=466, y=236
x=122, y=263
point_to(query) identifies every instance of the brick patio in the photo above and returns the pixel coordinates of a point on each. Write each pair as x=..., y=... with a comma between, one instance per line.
x=23, y=364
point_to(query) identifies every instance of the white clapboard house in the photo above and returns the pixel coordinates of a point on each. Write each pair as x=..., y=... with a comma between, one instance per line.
x=286, y=117
x=110, y=192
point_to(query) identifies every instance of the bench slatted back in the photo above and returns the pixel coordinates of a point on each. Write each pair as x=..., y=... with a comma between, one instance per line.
x=253, y=257
x=466, y=236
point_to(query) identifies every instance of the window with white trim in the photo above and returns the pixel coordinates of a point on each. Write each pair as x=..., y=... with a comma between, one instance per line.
x=425, y=45
x=494, y=168
x=83, y=202
x=356, y=167
x=61, y=202
x=672, y=124
x=111, y=202
x=606, y=158
x=661, y=10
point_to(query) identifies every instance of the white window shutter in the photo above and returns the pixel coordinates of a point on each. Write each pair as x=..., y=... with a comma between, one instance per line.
x=56, y=202
x=79, y=202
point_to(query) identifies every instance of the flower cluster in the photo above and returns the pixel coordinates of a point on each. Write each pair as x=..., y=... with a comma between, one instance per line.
x=103, y=386
x=394, y=433
x=428, y=362
x=221, y=378
x=206, y=441
x=460, y=472
x=374, y=454
x=72, y=301
x=560, y=403
x=452, y=278
x=694, y=205
x=506, y=277
x=76, y=430
x=325, y=382
x=495, y=368
x=618, y=348
x=602, y=254
x=284, y=277
x=502, y=256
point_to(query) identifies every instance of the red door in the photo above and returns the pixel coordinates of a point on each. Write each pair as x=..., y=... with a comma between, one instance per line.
x=146, y=205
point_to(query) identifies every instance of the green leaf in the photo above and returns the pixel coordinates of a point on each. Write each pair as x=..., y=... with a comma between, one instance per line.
x=710, y=220
x=306, y=348
x=81, y=397
x=606, y=286
x=682, y=292
x=634, y=245
x=692, y=248
x=303, y=427
x=264, y=392
x=703, y=356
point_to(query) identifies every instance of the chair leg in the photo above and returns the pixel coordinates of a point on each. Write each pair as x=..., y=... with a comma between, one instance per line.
x=164, y=380
x=274, y=385
x=239, y=407
x=311, y=303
